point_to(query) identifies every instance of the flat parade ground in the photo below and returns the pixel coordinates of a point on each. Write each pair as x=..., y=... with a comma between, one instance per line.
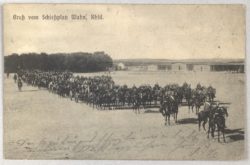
x=41, y=125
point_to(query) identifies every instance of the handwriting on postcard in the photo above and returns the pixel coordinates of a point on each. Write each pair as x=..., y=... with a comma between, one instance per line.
x=111, y=142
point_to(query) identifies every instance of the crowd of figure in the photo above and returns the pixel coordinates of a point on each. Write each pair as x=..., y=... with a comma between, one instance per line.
x=101, y=92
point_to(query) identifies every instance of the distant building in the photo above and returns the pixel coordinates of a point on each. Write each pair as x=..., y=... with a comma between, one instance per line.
x=137, y=68
x=240, y=68
x=164, y=67
x=201, y=68
x=190, y=67
x=179, y=67
x=121, y=66
x=152, y=67
x=182, y=65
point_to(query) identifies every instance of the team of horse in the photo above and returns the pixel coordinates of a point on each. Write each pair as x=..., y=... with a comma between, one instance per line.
x=101, y=92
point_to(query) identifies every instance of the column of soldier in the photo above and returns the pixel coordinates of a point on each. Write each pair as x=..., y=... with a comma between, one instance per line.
x=101, y=92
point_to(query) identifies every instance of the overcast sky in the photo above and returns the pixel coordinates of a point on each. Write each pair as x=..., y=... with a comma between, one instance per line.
x=130, y=31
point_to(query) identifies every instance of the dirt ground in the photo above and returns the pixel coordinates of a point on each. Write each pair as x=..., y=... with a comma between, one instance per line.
x=41, y=125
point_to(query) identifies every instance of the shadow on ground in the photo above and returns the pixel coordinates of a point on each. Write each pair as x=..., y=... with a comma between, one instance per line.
x=33, y=90
x=188, y=121
x=235, y=134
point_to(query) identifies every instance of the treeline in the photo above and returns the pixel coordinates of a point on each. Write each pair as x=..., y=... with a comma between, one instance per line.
x=74, y=62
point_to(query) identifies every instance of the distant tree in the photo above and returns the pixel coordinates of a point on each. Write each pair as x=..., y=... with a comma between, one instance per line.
x=75, y=62
x=11, y=63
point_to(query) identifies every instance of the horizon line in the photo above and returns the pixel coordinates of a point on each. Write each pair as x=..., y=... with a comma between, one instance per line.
x=142, y=58
x=179, y=58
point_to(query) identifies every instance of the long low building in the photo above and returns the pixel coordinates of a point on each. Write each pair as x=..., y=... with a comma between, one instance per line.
x=228, y=67
x=179, y=67
x=195, y=66
x=202, y=68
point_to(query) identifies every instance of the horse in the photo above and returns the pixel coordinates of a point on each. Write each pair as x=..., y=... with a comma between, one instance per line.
x=174, y=109
x=136, y=103
x=165, y=113
x=203, y=115
x=197, y=104
x=15, y=78
x=191, y=104
x=219, y=121
x=168, y=109
x=71, y=94
x=19, y=84
x=211, y=93
x=211, y=123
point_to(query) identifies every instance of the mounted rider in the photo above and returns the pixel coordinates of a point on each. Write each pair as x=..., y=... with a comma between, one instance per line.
x=19, y=84
x=15, y=78
x=220, y=112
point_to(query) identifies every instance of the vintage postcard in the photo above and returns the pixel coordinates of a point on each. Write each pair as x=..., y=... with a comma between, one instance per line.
x=124, y=82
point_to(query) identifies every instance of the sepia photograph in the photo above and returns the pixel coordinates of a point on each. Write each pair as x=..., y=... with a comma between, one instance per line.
x=124, y=82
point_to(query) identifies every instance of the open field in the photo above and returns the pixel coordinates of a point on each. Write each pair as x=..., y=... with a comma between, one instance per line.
x=41, y=125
